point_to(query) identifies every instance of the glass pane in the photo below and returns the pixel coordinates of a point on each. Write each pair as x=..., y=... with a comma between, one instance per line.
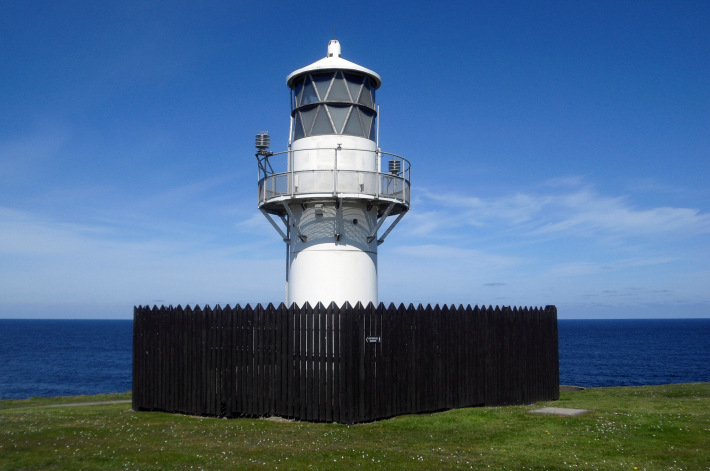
x=354, y=85
x=309, y=93
x=338, y=114
x=353, y=127
x=308, y=116
x=297, y=92
x=322, y=124
x=373, y=128
x=367, y=121
x=298, y=127
x=339, y=91
x=366, y=95
x=322, y=83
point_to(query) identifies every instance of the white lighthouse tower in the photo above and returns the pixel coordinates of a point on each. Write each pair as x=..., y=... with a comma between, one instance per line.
x=329, y=194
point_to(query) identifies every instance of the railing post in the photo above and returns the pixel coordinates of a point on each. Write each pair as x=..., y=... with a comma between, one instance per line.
x=290, y=172
x=335, y=170
x=401, y=163
x=378, y=158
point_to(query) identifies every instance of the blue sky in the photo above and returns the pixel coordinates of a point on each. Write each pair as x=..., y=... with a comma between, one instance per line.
x=560, y=151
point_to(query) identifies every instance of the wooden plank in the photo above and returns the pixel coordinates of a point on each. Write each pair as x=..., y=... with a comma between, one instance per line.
x=412, y=321
x=247, y=353
x=274, y=372
x=229, y=362
x=299, y=373
x=177, y=376
x=238, y=360
x=256, y=361
x=303, y=364
x=310, y=373
x=189, y=335
x=330, y=363
x=154, y=348
x=207, y=387
x=217, y=363
x=269, y=361
x=346, y=368
x=385, y=377
x=137, y=360
x=376, y=391
x=458, y=341
x=164, y=360
x=195, y=363
x=388, y=377
x=337, y=361
x=261, y=364
x=319, y=364
x=281, y=362
x=447, y=362
x=294, y=332
x=214, y=361
x=250, y=360
x=232, y=363
x=178, y=373
x=404, y=364
x=216, y=319
x=368, y=366
x=359, y=340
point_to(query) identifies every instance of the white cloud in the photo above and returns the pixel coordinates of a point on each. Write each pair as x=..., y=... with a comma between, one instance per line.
x=577, y=268
x=585, y=212
x=579, y=212
x=21, y=156
x=48, y=262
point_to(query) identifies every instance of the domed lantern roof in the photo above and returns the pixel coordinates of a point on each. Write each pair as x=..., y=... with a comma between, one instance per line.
x=333, y=62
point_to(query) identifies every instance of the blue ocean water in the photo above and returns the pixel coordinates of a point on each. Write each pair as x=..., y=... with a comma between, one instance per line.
x=74, y=357
x=634, y=352
x=64, y=357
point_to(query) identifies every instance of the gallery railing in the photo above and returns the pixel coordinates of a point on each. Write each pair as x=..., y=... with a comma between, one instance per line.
x=278, y=179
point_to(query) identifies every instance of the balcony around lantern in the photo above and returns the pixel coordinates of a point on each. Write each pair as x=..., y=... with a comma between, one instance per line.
x=385, y=181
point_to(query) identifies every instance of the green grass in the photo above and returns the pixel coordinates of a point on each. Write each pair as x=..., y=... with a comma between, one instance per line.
x=644, y=428
x=55, y=401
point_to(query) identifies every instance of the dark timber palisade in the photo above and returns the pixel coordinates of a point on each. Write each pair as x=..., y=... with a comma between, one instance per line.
x=347, y=364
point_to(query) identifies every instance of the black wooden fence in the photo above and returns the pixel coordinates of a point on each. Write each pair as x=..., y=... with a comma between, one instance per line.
x=348, y=365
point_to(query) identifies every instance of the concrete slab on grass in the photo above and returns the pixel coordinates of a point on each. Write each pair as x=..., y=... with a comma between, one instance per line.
x=561, y=411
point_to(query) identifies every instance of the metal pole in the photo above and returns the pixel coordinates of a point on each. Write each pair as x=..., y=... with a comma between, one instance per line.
x=378, y=127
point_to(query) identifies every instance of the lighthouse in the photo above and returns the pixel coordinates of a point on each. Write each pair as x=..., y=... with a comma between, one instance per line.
x=333, y=196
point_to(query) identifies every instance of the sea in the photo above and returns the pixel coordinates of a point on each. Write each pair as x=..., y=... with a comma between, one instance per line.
x=85, y=357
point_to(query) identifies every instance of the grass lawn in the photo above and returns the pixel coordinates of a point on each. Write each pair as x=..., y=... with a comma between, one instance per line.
x=630, y=428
